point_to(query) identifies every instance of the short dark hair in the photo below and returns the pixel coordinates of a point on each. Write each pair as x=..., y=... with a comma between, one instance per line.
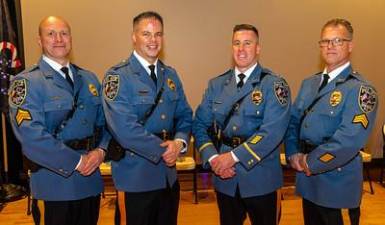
x=147, y=15
x=340, y=22
x=250, y=27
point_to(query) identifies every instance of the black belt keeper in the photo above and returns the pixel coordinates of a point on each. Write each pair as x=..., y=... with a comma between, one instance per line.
x=233, y=141
x=306, y=147
x=81, y=144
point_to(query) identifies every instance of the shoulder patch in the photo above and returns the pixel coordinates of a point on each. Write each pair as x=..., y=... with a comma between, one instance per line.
x=18, y=92
x=281, y=90
x=111, y=86
x=367, y=99
x=93, y=90
x=22, y=115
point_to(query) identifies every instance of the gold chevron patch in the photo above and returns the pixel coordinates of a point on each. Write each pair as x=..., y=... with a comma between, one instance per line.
x=361, y=119
x=22, y=115
x=256, y=139
x=327, y=157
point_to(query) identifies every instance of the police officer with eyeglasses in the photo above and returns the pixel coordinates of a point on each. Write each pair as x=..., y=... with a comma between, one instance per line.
x=331, y=120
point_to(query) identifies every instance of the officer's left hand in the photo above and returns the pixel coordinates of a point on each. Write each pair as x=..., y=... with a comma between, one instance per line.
x=223, y=162
x=171, y=154
x=95, y=158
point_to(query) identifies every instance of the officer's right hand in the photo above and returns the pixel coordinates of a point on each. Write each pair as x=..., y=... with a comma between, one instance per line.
x=295, y=163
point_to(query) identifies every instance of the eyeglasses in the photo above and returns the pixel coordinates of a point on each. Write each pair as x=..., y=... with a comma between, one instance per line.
x=334, y=42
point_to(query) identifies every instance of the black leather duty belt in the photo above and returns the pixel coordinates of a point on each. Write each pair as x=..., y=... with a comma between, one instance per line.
x=81, y=144
x=233, y=141
x=306, y=147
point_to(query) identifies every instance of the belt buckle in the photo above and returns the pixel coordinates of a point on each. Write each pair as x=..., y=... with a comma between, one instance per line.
x=236, y=141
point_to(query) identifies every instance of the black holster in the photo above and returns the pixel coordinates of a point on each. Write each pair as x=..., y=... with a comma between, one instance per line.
x=87, y=143
x=116, y=152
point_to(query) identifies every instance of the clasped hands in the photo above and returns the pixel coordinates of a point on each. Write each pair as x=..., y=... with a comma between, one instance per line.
x=90, y=161
x=173, y=148
x=223, y=165
x=298, y=162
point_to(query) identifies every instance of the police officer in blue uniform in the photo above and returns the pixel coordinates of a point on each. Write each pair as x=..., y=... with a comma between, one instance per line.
x=238, y=128
x=56, y=114
x=331, y=120
x=150, y=120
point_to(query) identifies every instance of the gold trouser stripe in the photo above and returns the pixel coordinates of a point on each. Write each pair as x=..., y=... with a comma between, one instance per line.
x=122, y=207
x=251, y=151
x=204, y=146
x=279, y=199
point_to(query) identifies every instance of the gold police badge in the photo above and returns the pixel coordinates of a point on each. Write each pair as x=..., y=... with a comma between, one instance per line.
x=111, y=87
x=335, y=98
x=93, y=90
x=256, y=97
x=171, y=84
x=18, y=92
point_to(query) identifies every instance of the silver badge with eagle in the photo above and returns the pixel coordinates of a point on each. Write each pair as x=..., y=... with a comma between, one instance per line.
x=18, y=92
x=281, y=90
x=367, y=99
x=111, y=87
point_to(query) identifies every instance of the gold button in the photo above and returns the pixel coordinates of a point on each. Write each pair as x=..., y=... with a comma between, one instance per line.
x=234, y=128
x=163, y=116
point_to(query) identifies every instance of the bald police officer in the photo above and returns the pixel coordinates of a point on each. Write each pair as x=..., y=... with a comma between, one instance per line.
x=56, y=114
x=331, y=120
x=150, y=120
x=238, y=128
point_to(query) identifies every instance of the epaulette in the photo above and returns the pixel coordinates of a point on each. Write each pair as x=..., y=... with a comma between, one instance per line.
x=224, y=73
x=121, y=64
x=30, y=69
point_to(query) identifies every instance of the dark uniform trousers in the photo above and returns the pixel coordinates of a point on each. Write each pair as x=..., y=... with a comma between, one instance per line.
x=262, y=210
x=76, y=212
x=159, y=207
x=319, y=215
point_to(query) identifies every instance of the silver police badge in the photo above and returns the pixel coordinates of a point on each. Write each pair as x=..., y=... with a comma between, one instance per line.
x=18, y=92
x=111, y=87
x=281, y=90
x=367, y=99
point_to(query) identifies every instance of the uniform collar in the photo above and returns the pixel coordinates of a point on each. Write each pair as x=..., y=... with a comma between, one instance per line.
x=247, y=73
x=145, y=64
x=57, y=66
x=334, y=73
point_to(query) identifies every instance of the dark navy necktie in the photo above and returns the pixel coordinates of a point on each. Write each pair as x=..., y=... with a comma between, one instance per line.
x=325, y=80
x=68, y=78
x=152, y=74
x=241, y=77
